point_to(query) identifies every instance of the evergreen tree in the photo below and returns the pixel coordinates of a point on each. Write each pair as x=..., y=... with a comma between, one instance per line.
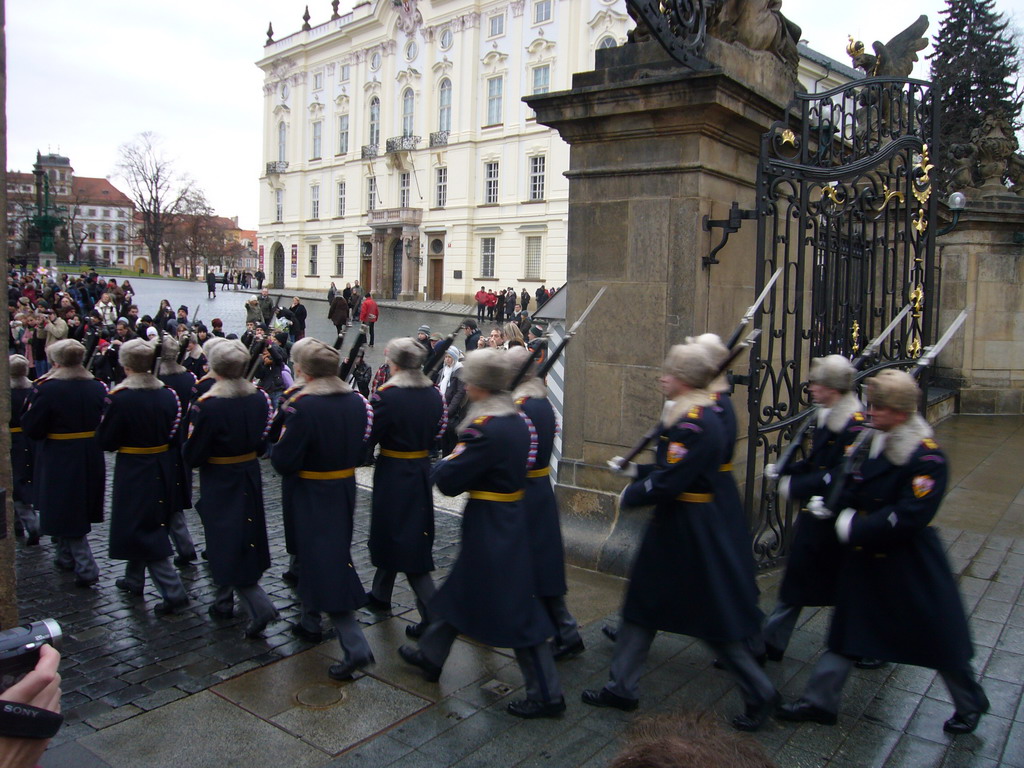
x=974, y=70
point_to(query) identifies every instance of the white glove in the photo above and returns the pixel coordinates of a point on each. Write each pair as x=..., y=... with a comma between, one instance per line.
x=816, y=506
x=623, y=467
x=843, y=524
x=771, y=472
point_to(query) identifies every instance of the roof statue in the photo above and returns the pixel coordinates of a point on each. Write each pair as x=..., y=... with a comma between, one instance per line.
x=895, y=58
x=757, y=24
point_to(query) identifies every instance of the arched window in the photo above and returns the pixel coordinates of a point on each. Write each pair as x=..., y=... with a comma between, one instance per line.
x=444, y=106
x=374, y=120
x=282, y=137
x=408, y=108
x=607, y=42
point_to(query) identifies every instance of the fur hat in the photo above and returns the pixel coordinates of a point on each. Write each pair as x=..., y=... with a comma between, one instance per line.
x=170, y=349
x=67, y=352
x=19, y=366
x=894, y=389
x=487, y=369
x=300, y=347
x=516, y=358
x=719, y=352
x=212, y=342
x=833, y=371
x=228, y=359
x=319, y=360
x=693, y=364
x=405, y=353
x=137, y=355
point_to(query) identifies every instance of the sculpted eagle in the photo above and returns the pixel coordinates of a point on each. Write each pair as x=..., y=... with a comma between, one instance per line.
x=895, y=58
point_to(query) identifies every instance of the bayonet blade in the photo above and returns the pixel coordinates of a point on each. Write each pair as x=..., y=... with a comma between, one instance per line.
x=876, y=342
x=763, y=295
x=587, y=311
x=933, y=351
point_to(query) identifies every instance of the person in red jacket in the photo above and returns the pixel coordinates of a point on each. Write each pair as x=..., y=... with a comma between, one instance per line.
x=481, y=303
x=368, y=313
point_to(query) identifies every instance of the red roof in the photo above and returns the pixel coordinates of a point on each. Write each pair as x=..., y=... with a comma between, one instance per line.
x=84, y=190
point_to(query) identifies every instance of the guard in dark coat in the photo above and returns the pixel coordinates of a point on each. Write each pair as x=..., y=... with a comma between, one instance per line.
x=409, y=415
x=183, y=383
x=22, y=451
x=688, y=577
x=322, y=439
x=531, y=397
x=227, y=431
x=815, y=557
x=896, y=598
x=141, y=421
x=490, y=594
x=62, y=413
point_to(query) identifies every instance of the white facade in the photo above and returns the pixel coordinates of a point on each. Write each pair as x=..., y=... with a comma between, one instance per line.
x=419, y=105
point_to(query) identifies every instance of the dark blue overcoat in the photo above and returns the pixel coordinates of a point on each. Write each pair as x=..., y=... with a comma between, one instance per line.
x=183, y=384
x=22, y=449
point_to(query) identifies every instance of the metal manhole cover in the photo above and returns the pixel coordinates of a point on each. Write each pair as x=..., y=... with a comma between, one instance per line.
x=497, y=687
x=320, y=696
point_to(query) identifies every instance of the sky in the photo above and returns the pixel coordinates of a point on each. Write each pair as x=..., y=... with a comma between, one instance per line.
x=84, y=78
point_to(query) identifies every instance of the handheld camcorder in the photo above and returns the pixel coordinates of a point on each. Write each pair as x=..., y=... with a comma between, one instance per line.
x=19, y=649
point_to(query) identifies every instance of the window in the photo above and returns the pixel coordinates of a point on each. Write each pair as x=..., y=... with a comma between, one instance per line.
x=441, y=195
x=541, y=11
x=490, y=183
x=279, y=205
x=106, y=232
x=314, y=202
x=446, y=39
x=411, y=49
x=375, y=62
x=346, y=72
x=537, y=177
x=92, y=213
x=371, y=194
x=339, y=259
x=318, y=81
x=607, y=42
x=374, y=120
x=408, y=107
x=282, y=136
x=532, y=263
x=541, y=78
x=106, y=213
x=342, y=134
x=312, y=259
x=497, y=25
x=487, y=257
x=444, y=106
x=494, y=88
x=318, y=135
x=341, y=200
x=403, y=190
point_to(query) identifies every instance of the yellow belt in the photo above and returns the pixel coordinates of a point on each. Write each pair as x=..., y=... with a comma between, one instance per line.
x=491, y=496
x=544, y=472
x=696, y=498
x=726, y=467
x=70, y=435
x=232, y=459
x=334, y=474
x=15, y=430
x=144, y=450
x=404, y=454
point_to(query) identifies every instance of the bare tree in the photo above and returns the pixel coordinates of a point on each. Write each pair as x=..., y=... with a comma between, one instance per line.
x=197, y=231
x=154, y=186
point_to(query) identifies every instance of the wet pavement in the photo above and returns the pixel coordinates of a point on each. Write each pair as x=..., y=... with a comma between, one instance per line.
x=143, y=691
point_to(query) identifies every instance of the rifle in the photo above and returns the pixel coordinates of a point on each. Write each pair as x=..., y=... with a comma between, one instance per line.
x=436, y=356
x=183, y=349
x=90, y=352
x=345, y=368
x=256, y=357
x=547, y=364
x=855, y=456
x=158, y=352
x=869, y=352
x=654, y=431
x=752, y=309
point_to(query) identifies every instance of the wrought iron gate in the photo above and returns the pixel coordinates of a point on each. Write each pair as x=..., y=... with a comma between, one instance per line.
x=845, y=207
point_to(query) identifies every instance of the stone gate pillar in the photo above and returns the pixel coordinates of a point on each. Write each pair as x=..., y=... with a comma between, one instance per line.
x=654, y=149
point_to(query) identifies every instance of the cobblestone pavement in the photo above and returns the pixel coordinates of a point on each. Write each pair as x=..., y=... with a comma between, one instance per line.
x=144, y=691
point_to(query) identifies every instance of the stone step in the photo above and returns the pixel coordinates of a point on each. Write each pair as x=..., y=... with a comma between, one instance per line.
x=941, y=403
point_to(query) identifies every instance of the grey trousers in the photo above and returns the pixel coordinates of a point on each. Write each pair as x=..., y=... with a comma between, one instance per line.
x=536, y=663
x=252, y=596
x=778, y=627
x=567, y=630
x=825, y=688
x=634, y=642
x=350, y=634
x=422, y=585
x=77, y=554
x=177, y=528
x=164, y=576
x=28, y=517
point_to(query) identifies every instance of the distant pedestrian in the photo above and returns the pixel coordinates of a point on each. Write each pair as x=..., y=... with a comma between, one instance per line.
x=211, y=284
x=481, y=303
x=298, y=319
x=368, y=314
x=260, y=277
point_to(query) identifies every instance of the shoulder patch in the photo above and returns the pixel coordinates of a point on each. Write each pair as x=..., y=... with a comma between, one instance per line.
x=695, y=412
x=930, y=444
x=858, y=416
x=676, y=453
x=203, y=397
x=482, y=419
x=385, y=385
x=922, y=485
x=521, y=400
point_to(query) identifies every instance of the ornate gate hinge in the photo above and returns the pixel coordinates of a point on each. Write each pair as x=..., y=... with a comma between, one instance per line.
x=728, y=226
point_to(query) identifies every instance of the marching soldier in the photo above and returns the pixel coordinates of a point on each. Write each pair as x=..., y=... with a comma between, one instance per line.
x=183, y=383
x=688, y=577
x=531, y=396
x=815, y=555
x=141, y=422
x=409, y=415
x=490, y=593
x=207, y=380
x=22, y=451
x=62, y=413
x=896, y=598
x=227, y=430
x=322, y=438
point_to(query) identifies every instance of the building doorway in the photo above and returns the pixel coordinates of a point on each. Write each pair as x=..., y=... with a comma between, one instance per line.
x=397, y=254
x=435, y=277
x=277, y=277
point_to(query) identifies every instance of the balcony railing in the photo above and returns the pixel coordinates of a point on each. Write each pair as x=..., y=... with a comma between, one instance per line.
x=370, y=151
x=402, y=143
x=439, y=139
x=277, y=166
x=386, y=217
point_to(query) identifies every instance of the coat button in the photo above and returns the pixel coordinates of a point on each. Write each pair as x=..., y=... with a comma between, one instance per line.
x=253, y=546
x=249, y=519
